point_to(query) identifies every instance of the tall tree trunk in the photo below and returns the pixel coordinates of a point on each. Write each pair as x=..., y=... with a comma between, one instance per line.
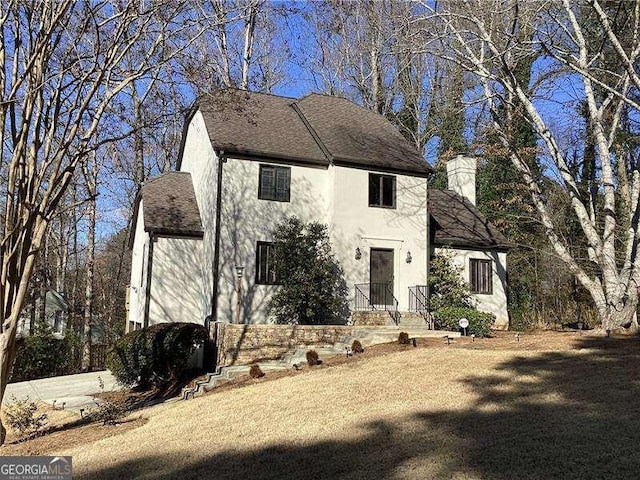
x=88, y=297
x=249, y=29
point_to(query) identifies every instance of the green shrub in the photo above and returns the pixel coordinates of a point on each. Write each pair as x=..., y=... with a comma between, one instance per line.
x=312, y=289
x=312, y=358
x=42, y=355
x=356, y=347
x=446, y=286
x=480, y=323
x=403, y=338
x=157, y=356
x=22, y=417
x=256, y=372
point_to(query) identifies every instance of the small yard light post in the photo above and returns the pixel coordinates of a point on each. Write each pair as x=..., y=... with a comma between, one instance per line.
x=239, y=270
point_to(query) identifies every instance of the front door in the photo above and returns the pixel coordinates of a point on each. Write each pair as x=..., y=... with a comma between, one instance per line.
x=381, y=280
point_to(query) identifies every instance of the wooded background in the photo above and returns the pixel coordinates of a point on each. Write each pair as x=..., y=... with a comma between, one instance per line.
x=545, y=94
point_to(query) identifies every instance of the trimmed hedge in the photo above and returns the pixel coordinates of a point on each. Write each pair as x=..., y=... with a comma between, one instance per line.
x=157, y=356
x=42, y=355
x=480, y=323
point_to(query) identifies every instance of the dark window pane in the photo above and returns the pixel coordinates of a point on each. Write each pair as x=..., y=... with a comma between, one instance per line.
x=267, y=182
x=481, y=276
x=282, y=184
x=265, y=273
x=275, y=183
x=382, y=190
x=374, y=189
x=387, y=191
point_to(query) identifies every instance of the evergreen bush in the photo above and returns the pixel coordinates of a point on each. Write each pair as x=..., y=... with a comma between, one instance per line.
x=447, y=318
x=157, y=356
x=42, y=355
x=312, y=289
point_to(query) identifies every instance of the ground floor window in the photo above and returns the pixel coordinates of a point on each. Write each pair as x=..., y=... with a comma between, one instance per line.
x=481, y=276
x=134, y=326
x=265, y=271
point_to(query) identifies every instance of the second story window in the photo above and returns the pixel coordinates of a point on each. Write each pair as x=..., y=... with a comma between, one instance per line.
x=382, y=190
x=274, y=183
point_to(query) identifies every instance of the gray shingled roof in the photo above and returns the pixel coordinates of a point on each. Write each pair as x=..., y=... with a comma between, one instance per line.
x=458, y=223
x=258, y=124
x=170, y=207
x=357, y=136
x=317, y=129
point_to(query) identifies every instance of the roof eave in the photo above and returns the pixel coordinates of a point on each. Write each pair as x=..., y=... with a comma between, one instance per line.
x=247, y=154
x=469, y=245
x=175, y=232
x=363, y=165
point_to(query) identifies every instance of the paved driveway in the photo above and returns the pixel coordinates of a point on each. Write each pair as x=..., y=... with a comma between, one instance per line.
x=73, y=390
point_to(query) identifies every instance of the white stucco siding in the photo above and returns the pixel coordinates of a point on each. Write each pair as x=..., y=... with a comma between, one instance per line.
x=138, y=279
x=177, y=293
x=357, y=225
x=246, y=219
x=200, y=160
x=495, y=303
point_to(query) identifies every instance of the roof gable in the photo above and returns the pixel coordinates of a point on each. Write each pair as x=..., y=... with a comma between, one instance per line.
x=170, y=207
x=355, y=135
x=459, y=223
x=258, y=124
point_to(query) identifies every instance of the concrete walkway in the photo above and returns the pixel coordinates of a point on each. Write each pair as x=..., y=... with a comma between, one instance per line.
x=73, y=390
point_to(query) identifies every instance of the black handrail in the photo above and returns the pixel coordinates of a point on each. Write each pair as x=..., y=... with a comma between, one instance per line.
x=419, y=302
x=374, y=296
x=362, y=301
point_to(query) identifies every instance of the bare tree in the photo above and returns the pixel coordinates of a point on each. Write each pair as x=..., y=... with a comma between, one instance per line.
x=490, y=39
x=61, y=67
x=238, y=48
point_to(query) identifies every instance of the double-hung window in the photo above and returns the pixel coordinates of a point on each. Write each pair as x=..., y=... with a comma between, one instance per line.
x=481, y=276
x=274, y=183
x=382, y=190
x=265, y=271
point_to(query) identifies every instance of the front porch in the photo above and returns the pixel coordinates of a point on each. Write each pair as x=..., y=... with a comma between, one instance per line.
x=376, y=304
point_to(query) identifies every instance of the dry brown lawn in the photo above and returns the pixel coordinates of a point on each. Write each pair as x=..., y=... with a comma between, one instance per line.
x=554, y=405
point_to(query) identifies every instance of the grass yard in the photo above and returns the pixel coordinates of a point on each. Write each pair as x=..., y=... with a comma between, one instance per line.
x=549, y=406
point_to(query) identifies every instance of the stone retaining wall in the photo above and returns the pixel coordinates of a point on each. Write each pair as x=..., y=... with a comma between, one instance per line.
x=244, y=344
x=371, y=318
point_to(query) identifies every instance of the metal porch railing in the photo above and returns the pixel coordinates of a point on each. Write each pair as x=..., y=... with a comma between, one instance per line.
x=377, y=296
x=419, y=302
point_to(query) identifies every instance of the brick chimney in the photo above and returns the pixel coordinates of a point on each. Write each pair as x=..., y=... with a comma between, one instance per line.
x=461, y=177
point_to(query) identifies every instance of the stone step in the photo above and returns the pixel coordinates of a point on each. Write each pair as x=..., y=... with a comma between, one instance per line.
x=366, y=335
x=412, y=318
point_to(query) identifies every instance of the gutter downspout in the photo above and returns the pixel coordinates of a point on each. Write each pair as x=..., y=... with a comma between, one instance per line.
x=428, y=247
x=147, y=297
x=222, y=159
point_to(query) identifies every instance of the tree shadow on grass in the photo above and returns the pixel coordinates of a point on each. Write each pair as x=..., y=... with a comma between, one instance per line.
x=551, y=415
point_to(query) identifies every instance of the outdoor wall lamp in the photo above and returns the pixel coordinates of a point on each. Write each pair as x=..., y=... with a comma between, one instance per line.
x=358, y=253
x=239, y=270
x=409, y=258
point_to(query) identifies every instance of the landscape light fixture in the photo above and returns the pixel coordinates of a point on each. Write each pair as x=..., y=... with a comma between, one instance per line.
x=358, y=253
x=409, y=258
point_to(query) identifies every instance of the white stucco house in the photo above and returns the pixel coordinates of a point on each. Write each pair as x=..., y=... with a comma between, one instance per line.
x=247, y=160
